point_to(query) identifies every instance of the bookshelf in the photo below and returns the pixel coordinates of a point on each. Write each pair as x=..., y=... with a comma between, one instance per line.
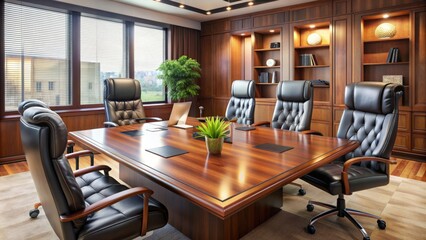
x=320, y=69
x=375, y=62
x=262, y=51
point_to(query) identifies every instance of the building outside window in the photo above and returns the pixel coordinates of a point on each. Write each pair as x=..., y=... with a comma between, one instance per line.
x=51, y=85
x=32, y=59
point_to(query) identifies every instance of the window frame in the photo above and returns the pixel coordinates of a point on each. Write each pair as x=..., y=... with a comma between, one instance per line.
x=75, y=12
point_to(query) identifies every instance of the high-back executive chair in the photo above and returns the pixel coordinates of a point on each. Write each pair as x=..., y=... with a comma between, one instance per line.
x=293, y=110
x=84, y=204
x=24, y=105
x=371, y=118
x=123, y=104
x=242, y=103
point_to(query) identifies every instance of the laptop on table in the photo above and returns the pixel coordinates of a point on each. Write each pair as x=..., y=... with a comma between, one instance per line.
x=178, y=116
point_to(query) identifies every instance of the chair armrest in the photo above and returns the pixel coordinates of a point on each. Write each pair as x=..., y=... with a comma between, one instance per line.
x=70, y=143
x=352, y=161
x=110, y=124
x=79, y=154
x=108, y=201
x=263, y=123
x=83, y=171
x=149, y=118
x=311, y=132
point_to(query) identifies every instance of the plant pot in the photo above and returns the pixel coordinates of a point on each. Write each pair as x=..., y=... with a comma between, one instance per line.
x=214, y=145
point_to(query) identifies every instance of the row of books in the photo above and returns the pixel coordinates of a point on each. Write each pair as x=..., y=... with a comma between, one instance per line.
x=393, y=55
x=264, y=77
x=307, y=60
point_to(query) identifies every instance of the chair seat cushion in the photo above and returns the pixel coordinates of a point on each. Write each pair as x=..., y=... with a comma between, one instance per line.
x=122, y=220
x=328, y=178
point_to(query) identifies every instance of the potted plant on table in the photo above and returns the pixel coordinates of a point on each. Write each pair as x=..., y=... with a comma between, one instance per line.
x=179, y=77
x=214, y=131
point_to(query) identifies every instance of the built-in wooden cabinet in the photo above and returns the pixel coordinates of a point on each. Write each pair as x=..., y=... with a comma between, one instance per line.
x=348, y=52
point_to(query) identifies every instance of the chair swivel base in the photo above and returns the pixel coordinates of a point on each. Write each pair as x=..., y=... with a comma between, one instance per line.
x=341, y=211
x=302, y=191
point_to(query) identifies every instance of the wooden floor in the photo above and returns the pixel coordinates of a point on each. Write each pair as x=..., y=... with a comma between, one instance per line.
x=404, y=168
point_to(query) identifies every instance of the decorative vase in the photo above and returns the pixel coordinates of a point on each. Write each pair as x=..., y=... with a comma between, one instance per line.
x=214, y=145
x=314, y=39
x=385, y=30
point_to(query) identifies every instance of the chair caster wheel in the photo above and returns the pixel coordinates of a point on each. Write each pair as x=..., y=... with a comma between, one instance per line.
x=366, y=238
x=311, y=229
x=310, y=207
x=34, y=213
x=381, y=224
x=302, y=192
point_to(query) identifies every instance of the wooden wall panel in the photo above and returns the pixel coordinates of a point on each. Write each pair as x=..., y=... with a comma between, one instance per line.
x=264, y=110
x=219, y=106
x=419, y=122
x=419, y=143
x=206, y=81
x=402, y=142
x=341, y=7
x=270, y=19
x=404, y=121
x=221, y=65
x=342, y=64
x=322, y=10
x=362, y=5
x=419, y=86
x=241, y=24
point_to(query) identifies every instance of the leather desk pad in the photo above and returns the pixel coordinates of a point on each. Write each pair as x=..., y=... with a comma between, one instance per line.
x=167, y=151
x=273, y=147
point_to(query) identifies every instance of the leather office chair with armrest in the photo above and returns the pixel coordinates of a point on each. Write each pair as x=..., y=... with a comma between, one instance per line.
x=24, y=105
x=371, y=118
x=293, y=110
x=242, y=103
x=123, y=104
x=84, y=204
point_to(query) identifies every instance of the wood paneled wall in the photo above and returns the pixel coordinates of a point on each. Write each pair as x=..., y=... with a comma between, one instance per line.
x=222, y=62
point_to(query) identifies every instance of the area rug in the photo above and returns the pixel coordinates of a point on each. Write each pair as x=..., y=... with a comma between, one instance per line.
x=402, y=203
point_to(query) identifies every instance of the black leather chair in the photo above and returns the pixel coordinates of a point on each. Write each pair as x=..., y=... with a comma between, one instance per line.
x=242, y=103
x=293, y=110
x=371, y=118
x=123, y=103
x=70, y=144
x=84, y=204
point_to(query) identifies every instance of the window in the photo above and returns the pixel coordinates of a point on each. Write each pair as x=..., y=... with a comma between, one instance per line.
x=51, y=85
x=102, y=56
x=38, y=86
x=36, y=52
x=149, y=54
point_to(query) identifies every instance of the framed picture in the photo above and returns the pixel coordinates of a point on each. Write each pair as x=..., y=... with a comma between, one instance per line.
x=393, y=79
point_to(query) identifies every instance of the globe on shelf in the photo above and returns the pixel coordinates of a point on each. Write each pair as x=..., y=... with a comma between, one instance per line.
x=314, y=39
x=385, y=30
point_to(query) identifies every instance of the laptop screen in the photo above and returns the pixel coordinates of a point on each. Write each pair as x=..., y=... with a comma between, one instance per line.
x=179, y=113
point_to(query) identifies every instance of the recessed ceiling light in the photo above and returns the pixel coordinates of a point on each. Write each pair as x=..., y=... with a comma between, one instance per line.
x=182, y=6
x=208, y=12
x=228, y=8
x=385, y=15
x=250, y=3
x=243, y=34
x=312, y=26
x=272, y=30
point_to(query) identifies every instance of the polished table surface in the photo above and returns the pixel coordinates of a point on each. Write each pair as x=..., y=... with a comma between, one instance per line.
x=222, y=184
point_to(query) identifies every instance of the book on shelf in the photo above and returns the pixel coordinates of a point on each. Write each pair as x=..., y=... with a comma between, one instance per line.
x=307, y=60
x=263, y=77
x=274, y=77
x=393, y=55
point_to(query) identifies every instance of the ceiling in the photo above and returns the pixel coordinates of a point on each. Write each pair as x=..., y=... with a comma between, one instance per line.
x=197, y=9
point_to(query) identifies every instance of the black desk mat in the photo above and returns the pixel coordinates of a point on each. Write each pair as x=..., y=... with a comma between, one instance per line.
x=273, y=147
x=133, y=133
x=167, y=151
x=245, y=128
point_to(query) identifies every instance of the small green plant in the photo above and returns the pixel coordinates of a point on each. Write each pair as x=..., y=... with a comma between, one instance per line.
x=214, y=127
x=179, y=77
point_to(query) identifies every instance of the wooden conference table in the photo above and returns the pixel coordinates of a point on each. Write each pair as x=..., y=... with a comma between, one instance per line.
x=214, y=197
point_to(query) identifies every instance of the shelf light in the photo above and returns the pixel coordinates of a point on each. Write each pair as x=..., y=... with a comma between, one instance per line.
x=272, y=30
x=228, y=8
x=242, y=34
x=385, y=15
x=208, y=12
x=311, y=26
x=182, y=6
x=250, y=3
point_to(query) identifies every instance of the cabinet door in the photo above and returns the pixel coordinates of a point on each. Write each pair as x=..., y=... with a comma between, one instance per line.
x=221, y=64
x=419, y=98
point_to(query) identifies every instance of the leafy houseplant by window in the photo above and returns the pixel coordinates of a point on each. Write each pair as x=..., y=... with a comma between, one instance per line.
x=179, y=77
x=214, y=130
